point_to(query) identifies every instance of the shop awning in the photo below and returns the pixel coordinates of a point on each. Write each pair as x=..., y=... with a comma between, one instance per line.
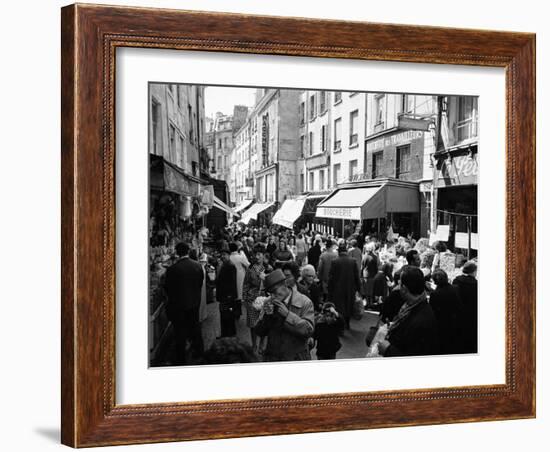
x=373, y=201
x=243, y=205
x=252, y=213
x=223, y=206
x=289, y=212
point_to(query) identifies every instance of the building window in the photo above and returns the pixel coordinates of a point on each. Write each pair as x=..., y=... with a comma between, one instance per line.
x=402, y=160
x=352, y=169
x=409, y=102
x=322, y=180
x=302, y=146
x=182, y=152
x=338, y=134
x=311, y=180
x=377, y=164
x=336, y=174
x=467, y=118
x=194, y=168
x=379, y=109
x=323, y=138
x=155, y=120
x=311, y=107
x=190, y=116
x=219, y=143
x=302, y=188
x=310, y=143
x=178, y=95
x=337, y=97
x=353, y=127
x=172, y=138
x=302, y=113
x=219, y=163
x=322, y=102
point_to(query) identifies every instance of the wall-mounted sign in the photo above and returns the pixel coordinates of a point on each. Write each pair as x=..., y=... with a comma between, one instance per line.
x=460, y=170
x=207, y=195
x=394, y=140
x=348, y=213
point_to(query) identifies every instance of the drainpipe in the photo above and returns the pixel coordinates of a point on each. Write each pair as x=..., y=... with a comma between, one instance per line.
x=433, y=213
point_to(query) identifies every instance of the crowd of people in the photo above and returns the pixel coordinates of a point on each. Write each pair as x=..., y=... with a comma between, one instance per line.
x=299, y=291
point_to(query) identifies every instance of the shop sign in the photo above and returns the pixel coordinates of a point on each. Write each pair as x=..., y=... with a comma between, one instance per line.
x=349, y=213
x=175, y=182
x=407, y=122
x=394, y=140
x=460, y=170
x=207, y=195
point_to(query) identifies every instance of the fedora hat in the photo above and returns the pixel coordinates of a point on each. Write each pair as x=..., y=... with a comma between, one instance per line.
x=273, y=279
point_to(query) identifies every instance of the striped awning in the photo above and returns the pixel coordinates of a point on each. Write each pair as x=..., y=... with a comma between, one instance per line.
x=289, y=212
x=254, y=211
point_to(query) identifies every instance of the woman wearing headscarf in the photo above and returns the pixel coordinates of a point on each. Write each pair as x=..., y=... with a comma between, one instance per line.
x=282, y=254
x=252, y=289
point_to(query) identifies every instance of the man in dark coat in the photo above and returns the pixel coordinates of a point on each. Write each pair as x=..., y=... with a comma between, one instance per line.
x=414, y=329
x=183, y=286
x=447, y=308
x=343, y=283
x=467, y=290
x=226, y=294
x=314, y=254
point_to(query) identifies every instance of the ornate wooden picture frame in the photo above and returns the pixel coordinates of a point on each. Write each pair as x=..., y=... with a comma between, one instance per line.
x=90, y=37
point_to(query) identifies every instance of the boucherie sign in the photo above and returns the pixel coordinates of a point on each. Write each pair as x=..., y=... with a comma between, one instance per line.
x=460, y=170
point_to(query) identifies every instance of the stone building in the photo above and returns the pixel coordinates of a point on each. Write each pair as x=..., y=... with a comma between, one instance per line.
x=274, y=119
x=400, y=140
x=176, y=124
x=455, y=173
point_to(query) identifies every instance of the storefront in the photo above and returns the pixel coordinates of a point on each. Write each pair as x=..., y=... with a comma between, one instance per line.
x=373, y=206
x=457, y=198
x=174, y=202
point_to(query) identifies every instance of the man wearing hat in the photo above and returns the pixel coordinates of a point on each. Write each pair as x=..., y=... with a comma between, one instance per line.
x=287, y=319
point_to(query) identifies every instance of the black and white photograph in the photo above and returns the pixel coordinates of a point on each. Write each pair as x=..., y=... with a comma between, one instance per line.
x=294, y=224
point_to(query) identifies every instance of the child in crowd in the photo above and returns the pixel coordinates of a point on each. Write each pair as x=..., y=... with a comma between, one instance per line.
x=328, y=327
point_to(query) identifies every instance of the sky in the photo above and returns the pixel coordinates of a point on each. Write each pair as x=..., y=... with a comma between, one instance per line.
x=217, y=98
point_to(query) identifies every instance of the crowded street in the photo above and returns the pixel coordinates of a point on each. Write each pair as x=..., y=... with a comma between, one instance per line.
x=297, y=224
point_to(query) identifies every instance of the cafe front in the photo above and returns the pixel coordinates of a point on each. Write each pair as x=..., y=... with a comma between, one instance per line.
x=457, y=197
